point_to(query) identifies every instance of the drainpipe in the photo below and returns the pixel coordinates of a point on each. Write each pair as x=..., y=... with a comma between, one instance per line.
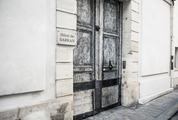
x=171, y=43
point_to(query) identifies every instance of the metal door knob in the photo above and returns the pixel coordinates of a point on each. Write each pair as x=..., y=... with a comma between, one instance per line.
x=110, y=65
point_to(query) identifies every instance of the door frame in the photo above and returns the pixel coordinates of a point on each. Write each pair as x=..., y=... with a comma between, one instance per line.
x=98, y=60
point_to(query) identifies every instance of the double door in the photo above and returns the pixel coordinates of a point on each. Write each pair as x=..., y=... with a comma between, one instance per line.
x=97, y=57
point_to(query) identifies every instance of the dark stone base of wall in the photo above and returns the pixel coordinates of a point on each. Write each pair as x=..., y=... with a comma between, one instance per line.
x=58, y=109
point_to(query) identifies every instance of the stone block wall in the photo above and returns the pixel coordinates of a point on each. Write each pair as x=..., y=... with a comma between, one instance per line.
x=57, y=109
x=131, y=31
x=55, y=102
x=66, y=13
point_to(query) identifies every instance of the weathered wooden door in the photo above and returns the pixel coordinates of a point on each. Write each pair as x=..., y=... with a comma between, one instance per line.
x=84, y=59
x=98, y=34
x=111, y=54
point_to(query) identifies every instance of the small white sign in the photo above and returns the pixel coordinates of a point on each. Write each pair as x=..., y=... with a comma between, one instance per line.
x=66, y=37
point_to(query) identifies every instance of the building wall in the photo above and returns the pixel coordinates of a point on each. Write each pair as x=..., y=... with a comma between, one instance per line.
x=24, y=36
x=66, y=25
x=155, y=49
x=47, y=42
x=130, y=50
x=29, y=86
x=175, y=43
x=57, y=91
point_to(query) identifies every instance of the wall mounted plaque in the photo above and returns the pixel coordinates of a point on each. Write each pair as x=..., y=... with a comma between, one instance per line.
x=66, y=37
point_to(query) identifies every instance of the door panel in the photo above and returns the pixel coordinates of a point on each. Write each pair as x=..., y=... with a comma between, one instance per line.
x=110, y=80
x=110, y=16
x=84, y=59
x=83, y=102
x=82, y=77
x=84, y=12
x=109, y=75
x=109, y=96
x=109, y=51
x=82, y=53
x=110, y=54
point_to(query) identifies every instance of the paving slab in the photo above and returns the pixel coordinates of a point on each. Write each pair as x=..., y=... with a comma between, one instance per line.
x=162, y=108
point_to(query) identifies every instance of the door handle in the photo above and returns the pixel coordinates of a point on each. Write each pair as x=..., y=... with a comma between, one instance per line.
x=110, y=65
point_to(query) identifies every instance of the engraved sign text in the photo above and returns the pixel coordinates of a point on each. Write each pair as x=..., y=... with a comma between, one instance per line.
x=66, y=37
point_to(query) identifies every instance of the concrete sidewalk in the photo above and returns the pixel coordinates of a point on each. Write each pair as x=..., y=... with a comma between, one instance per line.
x=162, y=108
